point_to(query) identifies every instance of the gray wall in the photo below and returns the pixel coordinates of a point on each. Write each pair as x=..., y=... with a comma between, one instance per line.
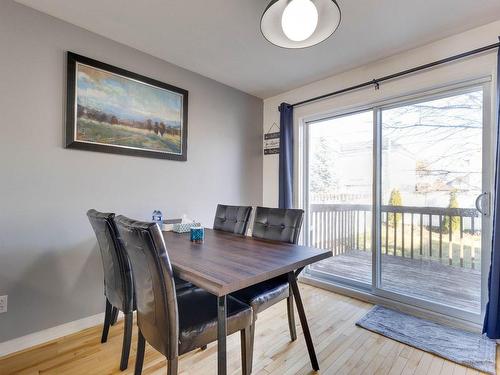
x=49, y=261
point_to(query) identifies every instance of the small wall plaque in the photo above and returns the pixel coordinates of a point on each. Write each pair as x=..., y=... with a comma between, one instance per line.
x=272, y=141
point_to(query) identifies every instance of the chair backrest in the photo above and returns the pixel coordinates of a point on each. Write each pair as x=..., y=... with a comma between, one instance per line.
x=278, y=224
x=118, y=283
x=233, y=219
x=154, y=284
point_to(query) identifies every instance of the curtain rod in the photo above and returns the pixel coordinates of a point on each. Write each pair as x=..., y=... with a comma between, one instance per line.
x=376, y=82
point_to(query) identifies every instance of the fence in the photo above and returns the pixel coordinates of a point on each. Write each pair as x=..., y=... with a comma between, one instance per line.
x=410, y=232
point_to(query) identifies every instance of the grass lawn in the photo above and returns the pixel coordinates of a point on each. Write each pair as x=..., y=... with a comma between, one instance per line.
x=94, y=131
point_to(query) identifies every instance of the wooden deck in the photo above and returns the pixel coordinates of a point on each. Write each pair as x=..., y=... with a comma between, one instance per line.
x=425, y=279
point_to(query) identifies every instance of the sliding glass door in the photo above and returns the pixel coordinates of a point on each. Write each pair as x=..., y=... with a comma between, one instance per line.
x=418, y=167
x=432, y=152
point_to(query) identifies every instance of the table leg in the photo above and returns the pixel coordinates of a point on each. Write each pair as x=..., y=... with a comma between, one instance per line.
x=221, y=336
x=292, y=279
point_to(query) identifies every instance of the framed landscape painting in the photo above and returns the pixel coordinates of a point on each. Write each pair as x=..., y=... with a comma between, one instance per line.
x=113, y=110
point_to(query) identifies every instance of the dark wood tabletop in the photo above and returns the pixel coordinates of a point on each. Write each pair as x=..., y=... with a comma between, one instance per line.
x=226, y=262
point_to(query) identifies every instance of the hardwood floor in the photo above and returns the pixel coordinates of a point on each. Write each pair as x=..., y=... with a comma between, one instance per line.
x=342, y=348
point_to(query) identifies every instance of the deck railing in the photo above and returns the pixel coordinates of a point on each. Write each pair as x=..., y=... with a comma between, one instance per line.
x=451, y=234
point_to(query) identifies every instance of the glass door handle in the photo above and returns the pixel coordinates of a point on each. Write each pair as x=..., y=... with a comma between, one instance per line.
x=480, y=206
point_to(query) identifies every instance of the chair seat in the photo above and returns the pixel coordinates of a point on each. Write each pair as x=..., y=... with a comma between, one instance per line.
x=267, y=293
x=198, y=318
x=181, y=284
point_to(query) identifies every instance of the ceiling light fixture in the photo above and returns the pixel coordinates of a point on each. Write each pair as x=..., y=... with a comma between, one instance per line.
x=299, y=23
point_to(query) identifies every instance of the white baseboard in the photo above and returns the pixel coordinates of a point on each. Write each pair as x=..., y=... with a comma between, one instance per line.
x=37, y=338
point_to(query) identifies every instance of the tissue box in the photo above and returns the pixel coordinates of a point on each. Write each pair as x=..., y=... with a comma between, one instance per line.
x=184, y=228
x=168, y=224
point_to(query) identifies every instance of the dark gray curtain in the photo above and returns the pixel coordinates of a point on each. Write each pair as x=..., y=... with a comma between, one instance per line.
x=286, y=156
x=492, y=318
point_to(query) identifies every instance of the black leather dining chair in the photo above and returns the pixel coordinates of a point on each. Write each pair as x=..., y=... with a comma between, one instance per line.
x=118, y=284
x=173, y=322
x=274, y=224
x=233, y=219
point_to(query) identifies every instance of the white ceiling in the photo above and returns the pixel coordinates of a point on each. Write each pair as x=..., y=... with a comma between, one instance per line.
x=221, y=39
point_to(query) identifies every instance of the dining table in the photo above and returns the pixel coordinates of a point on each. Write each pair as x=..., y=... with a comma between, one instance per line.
x=225, y=263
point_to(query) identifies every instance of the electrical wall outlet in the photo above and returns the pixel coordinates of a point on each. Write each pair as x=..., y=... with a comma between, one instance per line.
x=3, y=304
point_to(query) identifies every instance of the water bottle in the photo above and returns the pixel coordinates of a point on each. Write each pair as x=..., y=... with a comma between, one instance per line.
x=157, y=217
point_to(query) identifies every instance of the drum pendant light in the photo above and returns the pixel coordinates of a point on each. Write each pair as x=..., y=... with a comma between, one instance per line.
x=299, y=23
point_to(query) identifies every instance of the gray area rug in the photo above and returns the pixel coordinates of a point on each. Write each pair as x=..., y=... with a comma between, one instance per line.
x=465, y=348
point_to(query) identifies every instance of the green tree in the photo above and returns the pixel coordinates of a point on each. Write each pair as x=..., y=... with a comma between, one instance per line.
x=394, y=200
x=322, y=178
x=454, y=223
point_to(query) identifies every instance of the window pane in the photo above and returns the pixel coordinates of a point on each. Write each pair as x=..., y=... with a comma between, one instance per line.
x=431, y=175
x=340, y=194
